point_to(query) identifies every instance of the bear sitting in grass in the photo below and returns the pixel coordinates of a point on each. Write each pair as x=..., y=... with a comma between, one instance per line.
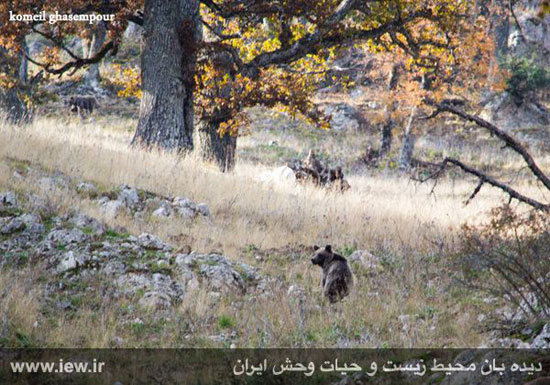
x=337, y=277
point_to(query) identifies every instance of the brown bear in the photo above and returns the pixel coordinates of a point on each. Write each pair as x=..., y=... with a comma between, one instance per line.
x=80, y=104
x=337, y=277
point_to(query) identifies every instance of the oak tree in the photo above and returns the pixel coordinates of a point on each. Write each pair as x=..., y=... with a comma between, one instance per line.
x=205, y=61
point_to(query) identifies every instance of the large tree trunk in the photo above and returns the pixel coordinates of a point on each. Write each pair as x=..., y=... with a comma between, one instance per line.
x=12, y=107
x=216, y=149
x=387, y=136
x=91, y=46
x=387, y=128
x=409, y=140
x=171, y=38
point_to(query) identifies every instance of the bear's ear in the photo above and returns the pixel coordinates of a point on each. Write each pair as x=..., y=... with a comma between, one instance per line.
x=315, y=247
x=328, y=248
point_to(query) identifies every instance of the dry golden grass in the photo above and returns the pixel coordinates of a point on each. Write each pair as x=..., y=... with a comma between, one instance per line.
x=379, y=210
x=388, y=215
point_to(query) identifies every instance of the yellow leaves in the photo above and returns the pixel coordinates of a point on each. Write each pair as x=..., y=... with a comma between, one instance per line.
x=544, y=8
x=234, y=126
x=130, y=80
x=271, y=45
x=298, y=31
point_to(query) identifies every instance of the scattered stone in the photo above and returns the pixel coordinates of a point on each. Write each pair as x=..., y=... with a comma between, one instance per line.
x=161, y=291
x=14, y=225
x=405, y=321
x=151, y=242
x=186, y=213
x=112, y=209
x=48, y=184
x=87, y=222
x=344, y=117
x=129, y=197
x=8, y=199
x=185, y=207
x=63, y=305
x=283, y=173
x=296, y=291
x=542, y=341
x=220, y=274
x=184, y=202
x=87, y=188
x=68, y=262
x=65, y=236
x=365, y=259
x=164, y=211
x=155, y=300
x=203, y=209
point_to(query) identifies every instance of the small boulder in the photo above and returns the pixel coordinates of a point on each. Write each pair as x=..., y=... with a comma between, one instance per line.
x=365, y=259
x=48, y=184
x=112, y=209
x=68, y=262
x=86, y=188
x=344, y=117
x=151, y=242
x=129, y=197
x=542, y=341
x=14, y=225
x=65, y=237
x=85, y=221
x=33, y=223
x=8, y=199
x=155, y=300
x=164, y=211
x=186, y=212
x=202, y=208
x=180, y=202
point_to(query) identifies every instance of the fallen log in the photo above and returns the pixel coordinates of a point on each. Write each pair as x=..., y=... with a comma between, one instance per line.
x=312, y=170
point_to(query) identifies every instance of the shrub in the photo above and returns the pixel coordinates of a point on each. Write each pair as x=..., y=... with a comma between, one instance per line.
x=510, y=256
x=226, y=322
x=525, y=76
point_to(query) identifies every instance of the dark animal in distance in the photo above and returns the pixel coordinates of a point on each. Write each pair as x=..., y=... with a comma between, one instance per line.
x=82, y=104
x=337, y=277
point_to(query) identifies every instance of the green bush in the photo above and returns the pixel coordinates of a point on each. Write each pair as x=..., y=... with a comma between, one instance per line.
x=526, y=76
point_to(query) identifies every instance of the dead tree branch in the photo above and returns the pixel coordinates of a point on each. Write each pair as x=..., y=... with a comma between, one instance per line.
x=509, y=141
x=483, y=179
x=77, y=63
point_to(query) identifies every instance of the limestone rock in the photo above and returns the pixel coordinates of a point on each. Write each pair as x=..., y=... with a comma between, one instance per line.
x=65, y=236
x=151, y=242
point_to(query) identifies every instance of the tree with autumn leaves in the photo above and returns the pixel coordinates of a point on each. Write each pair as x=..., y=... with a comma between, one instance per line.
x=204, y=62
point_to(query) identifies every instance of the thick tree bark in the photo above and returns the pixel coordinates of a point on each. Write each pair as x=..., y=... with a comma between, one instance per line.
x=91, y=47
x=171, y=38
x=387, y=127
x=216, y=149
x=12, y=107
x=409, y=140
x=15, y=111
x=386, y=135
x=23, y=63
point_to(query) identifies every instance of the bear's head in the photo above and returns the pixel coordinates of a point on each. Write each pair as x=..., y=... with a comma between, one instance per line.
x=322, y=256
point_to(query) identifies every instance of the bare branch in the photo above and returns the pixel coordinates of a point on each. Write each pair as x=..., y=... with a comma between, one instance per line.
x=506, y=138
x=484, y=178
x=75, y=64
